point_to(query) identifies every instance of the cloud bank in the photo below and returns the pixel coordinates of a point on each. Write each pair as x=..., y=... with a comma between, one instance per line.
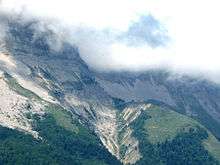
x=135, y=35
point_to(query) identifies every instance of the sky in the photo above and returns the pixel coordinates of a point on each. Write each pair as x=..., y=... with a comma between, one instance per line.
x=180, y=35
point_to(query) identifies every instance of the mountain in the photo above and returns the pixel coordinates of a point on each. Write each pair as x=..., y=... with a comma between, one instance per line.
x=59, y=111
x=196, y=98
x=51, y=135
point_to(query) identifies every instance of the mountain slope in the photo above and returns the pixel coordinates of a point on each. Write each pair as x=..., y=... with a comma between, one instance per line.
x=151, y=134
x=57, y=137
x=196, y=98
x=141, y=126
x=86, y=117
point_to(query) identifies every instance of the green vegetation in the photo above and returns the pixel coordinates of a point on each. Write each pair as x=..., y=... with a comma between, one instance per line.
x=212, y=145
x=83, y=145
x=123, y=150
x=63, y=140
x=13, y=84
x=164, y=124
x=58, y=146
x=63, y=118
x=166, y=137
x=184, y=97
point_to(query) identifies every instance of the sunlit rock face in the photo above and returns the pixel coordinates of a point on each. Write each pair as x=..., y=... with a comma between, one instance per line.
x=107, y=103
x=14, y=108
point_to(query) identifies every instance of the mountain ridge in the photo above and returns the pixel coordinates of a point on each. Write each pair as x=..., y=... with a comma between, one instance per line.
x=107, y=104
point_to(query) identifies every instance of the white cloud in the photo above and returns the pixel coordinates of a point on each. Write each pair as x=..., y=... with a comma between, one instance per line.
x=97, y=13
x=192, y=26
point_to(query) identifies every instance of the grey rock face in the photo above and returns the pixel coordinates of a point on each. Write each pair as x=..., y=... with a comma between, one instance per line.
x=194, y=97
x=63, y=69
x=138, y=90
x=91, y=96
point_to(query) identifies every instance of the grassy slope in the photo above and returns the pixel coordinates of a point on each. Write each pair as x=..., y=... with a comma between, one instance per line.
x=165, y=124
x=158, y=130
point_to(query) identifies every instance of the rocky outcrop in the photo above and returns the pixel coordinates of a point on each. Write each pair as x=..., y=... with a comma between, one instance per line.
x=15, y=108
x=129, y=145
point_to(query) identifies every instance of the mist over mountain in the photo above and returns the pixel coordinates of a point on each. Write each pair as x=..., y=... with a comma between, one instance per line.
x=87, y=85
x=137, y=36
